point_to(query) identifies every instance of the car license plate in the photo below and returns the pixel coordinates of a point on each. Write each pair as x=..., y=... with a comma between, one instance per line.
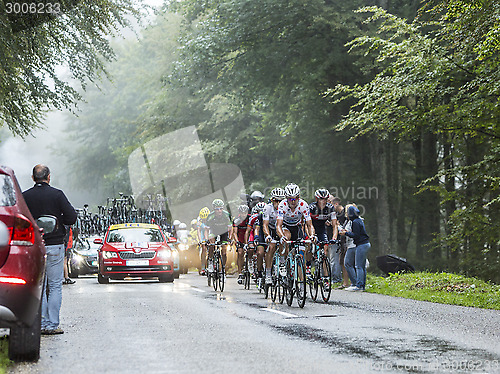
x=137, y=262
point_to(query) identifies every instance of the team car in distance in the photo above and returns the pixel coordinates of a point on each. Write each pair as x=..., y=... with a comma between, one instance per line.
x=135, y=250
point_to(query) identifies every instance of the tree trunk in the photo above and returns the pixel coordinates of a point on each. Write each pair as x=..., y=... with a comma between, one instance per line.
x=379, y=173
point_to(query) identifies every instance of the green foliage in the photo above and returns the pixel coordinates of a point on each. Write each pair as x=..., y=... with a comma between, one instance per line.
x=4, y=354
x=444, y=288
x=434, y=75
x=33, y=49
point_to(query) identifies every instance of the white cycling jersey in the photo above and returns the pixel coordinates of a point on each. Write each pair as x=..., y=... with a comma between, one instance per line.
x=293, y=217
x=270, y=214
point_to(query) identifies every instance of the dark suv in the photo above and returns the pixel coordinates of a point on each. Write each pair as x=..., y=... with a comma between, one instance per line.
x=22, y=269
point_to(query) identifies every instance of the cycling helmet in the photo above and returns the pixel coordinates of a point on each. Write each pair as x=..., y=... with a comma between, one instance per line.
x=322, y=193
x=278, y=194
x=292, y=190
x=257, y=195
x=194, y=222
x=218, y=203
x=177, y=222
x=243, y=208
x=204, y=212
x=182, y=226
x=260, y=206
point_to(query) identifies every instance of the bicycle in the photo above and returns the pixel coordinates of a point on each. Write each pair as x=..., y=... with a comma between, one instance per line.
x=295, y=280
x=321, y=276
x=217, y=276
x=277, y=286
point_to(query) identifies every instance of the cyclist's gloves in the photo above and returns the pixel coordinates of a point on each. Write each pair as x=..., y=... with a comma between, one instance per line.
x=283, y=239
x=268, y=239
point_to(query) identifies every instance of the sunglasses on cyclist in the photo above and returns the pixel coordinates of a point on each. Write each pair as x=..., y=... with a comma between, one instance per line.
x=292, y=198
x=218, y=209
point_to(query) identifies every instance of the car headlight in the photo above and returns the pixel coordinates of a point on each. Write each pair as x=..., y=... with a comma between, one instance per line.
x=107, y=254
x=78, y=258
x=165, y=254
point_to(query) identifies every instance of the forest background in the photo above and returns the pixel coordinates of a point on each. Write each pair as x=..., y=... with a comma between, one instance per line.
x=394, y=107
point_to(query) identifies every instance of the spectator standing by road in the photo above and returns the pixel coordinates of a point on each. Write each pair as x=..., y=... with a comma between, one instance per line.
x=42, y=199
x=355, y=259
x=341, y=219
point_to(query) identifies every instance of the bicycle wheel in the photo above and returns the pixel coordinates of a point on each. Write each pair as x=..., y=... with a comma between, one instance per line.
x=281, y=293
x=215, y=274
x=209, y=274
x=247, y=280
x=289, y=281
x=246, y=273
x=313, y=283
x=300, y=282
x=326, y=280
x=221, y=275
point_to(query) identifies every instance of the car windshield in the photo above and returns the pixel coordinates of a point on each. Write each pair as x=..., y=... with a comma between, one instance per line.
x=7, y=192
x=135, y=234
x=86, y=244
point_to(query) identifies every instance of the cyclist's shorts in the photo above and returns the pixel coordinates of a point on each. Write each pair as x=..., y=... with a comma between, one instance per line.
x=321, y=233
x=274, y=234
x=224, y=237
x=296, y=232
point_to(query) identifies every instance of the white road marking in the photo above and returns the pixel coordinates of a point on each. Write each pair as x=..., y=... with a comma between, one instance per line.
x=197, y=289
x=279, y=312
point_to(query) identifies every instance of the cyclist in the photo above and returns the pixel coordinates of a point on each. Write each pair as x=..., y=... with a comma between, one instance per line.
x=269, y=216
x=253, y=236
x=288, y=222
x=255, y=198
x=238, y=236
x=202, y=231
x=219, y=224
x=323, y=214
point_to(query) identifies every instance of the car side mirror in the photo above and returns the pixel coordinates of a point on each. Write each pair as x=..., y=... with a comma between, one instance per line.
x=98, y=241
x=172, y=240
x=4, y=235
x=47, y=223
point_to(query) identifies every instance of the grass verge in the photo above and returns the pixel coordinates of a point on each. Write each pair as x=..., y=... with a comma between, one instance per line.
x=4, y=354
x=444, y=288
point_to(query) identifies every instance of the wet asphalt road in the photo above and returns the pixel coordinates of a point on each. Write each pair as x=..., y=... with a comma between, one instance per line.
x=186, y=327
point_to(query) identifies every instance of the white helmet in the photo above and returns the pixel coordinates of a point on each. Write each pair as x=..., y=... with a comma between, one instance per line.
x=292, y=190
x=278, y=194
x=260, y=206
x=176, y=222
x=182, y=226
x=243, y=208
x=257, y=195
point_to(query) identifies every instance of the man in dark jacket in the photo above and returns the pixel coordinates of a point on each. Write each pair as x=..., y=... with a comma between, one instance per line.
x=43, y=199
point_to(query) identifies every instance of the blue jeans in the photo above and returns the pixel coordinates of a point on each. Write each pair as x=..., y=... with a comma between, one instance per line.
x=355, y=264
x=349, y=258
x=52, y=290
x=335, y=263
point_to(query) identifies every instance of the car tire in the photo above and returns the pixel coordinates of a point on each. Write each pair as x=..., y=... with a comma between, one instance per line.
x=101, y=279
x=73, y=273
x=24, y=342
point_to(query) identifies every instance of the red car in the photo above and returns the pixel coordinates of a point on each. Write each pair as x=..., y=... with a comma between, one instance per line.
x=22, y=270
x=135, y=250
